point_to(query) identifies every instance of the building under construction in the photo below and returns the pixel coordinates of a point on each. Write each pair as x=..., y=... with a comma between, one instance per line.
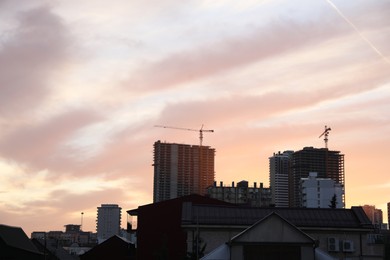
x=327, y=164
x=181, y=169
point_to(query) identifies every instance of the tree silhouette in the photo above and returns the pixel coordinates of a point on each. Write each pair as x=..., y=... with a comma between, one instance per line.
x=333, y=202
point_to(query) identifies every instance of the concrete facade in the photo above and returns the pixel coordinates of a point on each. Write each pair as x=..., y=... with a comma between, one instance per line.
x=374, y=214
x=108, y=221
x=181, y=169
x=319, y=192
x=279, y=171
x=327, y=164
x=242, y=193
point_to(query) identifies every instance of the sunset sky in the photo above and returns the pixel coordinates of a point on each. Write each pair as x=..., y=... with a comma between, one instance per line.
x=83, y=83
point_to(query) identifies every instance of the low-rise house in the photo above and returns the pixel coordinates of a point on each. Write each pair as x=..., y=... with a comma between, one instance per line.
x=159, y=231
x=271, y=238
x=192, y=226
x=341, y=233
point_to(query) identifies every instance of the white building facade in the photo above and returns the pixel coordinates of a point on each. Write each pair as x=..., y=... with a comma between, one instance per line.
x=108, y=221
x=320, y=192
x=279, y=169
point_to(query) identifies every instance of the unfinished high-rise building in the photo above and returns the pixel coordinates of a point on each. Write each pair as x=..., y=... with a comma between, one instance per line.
x=181, y=169
x=326, y=163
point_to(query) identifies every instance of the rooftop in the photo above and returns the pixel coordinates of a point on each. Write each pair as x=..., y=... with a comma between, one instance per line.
x=301, y=217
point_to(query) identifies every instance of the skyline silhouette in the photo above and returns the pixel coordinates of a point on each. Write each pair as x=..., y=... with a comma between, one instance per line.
x=81, y=89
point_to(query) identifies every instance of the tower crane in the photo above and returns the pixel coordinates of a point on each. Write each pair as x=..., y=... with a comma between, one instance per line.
x=201, y=130
x=325, y=134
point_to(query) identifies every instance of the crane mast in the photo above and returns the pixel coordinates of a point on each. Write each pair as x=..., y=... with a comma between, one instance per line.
x=325, y=134
x=201, y=130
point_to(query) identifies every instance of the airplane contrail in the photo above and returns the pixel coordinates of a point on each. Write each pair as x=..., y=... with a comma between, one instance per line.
x=357, y=30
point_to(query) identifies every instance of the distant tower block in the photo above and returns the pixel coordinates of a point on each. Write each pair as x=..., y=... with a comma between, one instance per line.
x=279, y=172
x=108, y=221
x=181, y=169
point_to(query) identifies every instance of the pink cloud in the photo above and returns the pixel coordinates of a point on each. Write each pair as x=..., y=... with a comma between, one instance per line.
x=39, y=145
x=39, y=46
x=228, y=54
x=271, y=40
x=29, y=57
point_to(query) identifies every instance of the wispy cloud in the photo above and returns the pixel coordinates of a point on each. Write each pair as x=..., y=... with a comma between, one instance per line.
x=81, y=89
x=29, y=57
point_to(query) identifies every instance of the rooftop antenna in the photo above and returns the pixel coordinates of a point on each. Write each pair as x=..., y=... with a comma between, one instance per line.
x=325, y=134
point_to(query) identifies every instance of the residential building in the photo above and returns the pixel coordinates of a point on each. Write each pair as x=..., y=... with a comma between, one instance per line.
x=375, y=215
x=72, y=228
x=72, y=234
x=338, y=233
x=272, y=237
x=181, y=169
x=279, y=171
x=108, y=221
x=320, y=192
x=388, y=214
x=38, y=235
x=159, y=231
x=242, y=193
x=193, y=226
x=327, y=164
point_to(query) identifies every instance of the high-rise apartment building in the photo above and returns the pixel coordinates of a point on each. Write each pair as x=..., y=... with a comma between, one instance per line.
x=279, y=169
x=181, y=169
x=388, y=214
x=327, y=164
x=374, y=214
x=108, y=221
x=320, y=192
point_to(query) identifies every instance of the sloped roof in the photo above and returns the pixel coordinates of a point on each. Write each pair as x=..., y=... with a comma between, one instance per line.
x=194, y=198
x=15, y=237
x=299, y=217
x=277, y=228
x=113, y=248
